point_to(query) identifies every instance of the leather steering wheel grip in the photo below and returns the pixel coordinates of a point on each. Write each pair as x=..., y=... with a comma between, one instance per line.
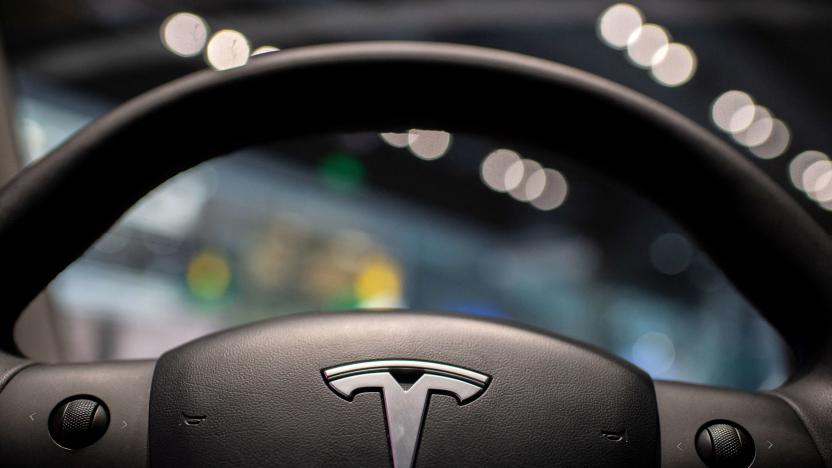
x=773, y=252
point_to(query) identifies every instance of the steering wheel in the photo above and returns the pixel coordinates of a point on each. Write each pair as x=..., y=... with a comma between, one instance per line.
x=403, y=388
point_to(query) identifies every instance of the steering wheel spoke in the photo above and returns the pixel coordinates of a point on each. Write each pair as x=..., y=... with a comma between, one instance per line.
x=730, y=428
x=76, y=415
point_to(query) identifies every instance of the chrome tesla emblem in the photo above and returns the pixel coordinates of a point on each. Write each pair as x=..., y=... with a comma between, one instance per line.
x=405, y=386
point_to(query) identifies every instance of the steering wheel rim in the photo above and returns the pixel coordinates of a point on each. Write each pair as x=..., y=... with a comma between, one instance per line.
x=764, y=242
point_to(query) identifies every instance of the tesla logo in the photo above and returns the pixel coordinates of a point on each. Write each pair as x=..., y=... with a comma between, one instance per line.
x=405, y=386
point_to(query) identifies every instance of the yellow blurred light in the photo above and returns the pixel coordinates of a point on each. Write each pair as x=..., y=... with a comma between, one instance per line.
x=380, y=277
x=208, y=275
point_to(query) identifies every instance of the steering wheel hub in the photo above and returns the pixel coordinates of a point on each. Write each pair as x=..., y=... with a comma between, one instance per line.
x=417, y=388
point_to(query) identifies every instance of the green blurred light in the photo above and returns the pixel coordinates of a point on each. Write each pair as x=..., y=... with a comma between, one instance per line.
x=342, y=172
x=208, y=276
x=344, y=300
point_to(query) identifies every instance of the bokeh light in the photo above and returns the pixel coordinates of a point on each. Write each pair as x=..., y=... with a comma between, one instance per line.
x=424, y=144
x=517, y=177
x=379, y=284
x=554, y=193
x=654, y=352
x=227, y=49
x=801, y=163
x=621, y=26
x=208, y=276
x=342, y=172
x=266, y=49
x=428, y=144
x=396, y=140
x=503, y=170
x=617, y=23
x=755, y=130
x=777, y=142
x=673, y=64
x=536, y=184
x=644, y=42
x=184, y=34
x=817, y=180
x=743, y=117
x=726, y=105
x=671, y=254
x=750, y=124
x=494, y=167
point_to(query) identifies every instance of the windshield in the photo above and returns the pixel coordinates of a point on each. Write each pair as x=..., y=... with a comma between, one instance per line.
x=427, y=219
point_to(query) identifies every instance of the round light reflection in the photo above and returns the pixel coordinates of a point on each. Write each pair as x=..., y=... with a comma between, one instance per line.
x=184, y=34
x=517, y=175
x=673, y=64
x=743, y=118
x=756, y=132
x=817, y=180
x=429, y=144
x=227, y=49
x=726, y=105
x=801, y=163
x=495, y=166
x=644, y=42
x=654, y=352
x=266, y=49
x=671, y=254
x=554, y=191
x=777, y=142
x=397, y=140
x=617, y=23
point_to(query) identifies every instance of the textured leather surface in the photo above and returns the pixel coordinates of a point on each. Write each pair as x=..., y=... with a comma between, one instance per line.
x=9, y=366
x=811, y=397
x=263, y=401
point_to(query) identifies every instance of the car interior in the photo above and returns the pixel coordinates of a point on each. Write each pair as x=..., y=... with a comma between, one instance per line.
x=452, y=233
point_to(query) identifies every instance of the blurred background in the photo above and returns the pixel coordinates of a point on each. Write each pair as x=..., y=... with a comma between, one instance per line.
x=423, y=219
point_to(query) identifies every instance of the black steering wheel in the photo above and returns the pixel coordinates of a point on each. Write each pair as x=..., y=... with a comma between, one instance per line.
x=403, y=388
